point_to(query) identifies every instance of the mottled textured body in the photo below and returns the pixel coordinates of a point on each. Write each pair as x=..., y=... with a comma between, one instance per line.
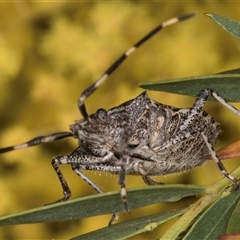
x=153, y=149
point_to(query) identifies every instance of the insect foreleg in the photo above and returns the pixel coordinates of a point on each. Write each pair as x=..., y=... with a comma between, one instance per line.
x=76, y=168
x=56, y=161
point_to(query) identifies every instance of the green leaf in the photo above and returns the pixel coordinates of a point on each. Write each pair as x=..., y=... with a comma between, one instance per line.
x=227, y=84
x=130, y=228
x=228, y=24
x=235, y=218
x=187, y=219
x=99, y=204
x=215, y=220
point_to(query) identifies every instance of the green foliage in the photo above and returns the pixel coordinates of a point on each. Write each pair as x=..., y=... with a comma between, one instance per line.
x=191, y=86
x=220, y=218
x=49, y=54
x=100, y=204
x=228, y=24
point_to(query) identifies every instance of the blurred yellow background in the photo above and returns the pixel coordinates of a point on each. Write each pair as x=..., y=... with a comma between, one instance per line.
x=51, y=52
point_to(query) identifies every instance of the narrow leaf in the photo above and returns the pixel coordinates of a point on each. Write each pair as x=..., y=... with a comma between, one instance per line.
x=99, y=204
x=226, y=84
x=233, y=225
x=228, y=24
x=215, y=220
x=130, y=228
x=185, y=221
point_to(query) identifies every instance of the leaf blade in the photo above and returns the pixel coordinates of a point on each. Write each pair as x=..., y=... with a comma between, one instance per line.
x=229, y=25
x=130, y=228
x=99, y=204
x=214, y=221
x=225, y=84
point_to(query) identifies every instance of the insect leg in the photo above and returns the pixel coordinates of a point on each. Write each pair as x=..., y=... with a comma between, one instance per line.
x=75, y=168
x=38, y=140
x=197, y=107
x=124, y=161
x=113, y=218
x=56, y=161
x=219, y=163
x=201, y=101
x=150, y=181
x=118, y=62
x=186, y=130
x=76, y=159
x=223, y=102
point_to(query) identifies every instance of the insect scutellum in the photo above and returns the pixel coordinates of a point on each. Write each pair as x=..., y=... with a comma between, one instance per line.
x=139, y=137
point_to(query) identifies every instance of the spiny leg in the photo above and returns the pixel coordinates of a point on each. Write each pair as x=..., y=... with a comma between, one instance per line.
x=118, y=62
x=70, y=159
x=38, y=140
x=223, y=102
x=196, y=110
x=124, y=162
x=76, y=168
x=201, y=101
x=122, y=176
x=150, y=181
x=186, y=130
x=56, y=161
x=197, y=107
x=219, y=163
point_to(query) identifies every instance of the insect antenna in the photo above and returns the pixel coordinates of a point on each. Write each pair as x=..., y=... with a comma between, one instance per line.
x=119, y=61
x=38, y=140
x=81, y=105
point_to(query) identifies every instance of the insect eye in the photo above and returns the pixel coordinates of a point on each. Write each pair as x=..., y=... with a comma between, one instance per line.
x=102, y=113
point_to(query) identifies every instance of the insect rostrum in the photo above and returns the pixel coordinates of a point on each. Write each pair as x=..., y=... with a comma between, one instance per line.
x=139, y=137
